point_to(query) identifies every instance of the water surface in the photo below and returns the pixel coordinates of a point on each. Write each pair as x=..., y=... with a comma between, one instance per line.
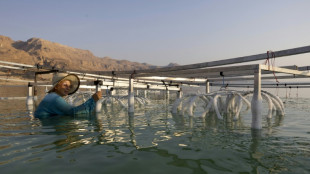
x=153, y=141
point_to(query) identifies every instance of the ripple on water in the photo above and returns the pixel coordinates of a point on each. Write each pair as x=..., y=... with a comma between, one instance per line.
x=154, y=141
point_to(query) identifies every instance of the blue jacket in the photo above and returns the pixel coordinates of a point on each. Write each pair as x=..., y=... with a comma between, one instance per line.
x=53, y=104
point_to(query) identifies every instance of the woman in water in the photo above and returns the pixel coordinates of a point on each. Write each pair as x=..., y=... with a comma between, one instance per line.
x=54, y=103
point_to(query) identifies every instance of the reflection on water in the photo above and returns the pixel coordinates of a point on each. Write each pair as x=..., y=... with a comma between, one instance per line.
x=152, y=141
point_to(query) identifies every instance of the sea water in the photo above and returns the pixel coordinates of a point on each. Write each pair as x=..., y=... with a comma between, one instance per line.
x=153, y=140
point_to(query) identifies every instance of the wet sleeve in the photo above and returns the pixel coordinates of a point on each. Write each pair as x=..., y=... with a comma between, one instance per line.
x=64, y=108
x=85, y=108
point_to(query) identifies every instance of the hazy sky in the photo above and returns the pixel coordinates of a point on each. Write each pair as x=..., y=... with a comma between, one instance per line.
x=162, y=31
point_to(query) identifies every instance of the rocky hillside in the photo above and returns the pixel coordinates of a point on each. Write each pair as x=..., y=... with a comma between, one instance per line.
x=50, y=54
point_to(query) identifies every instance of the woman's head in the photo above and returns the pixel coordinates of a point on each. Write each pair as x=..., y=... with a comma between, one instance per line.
x=63, y=87
x=64, y=84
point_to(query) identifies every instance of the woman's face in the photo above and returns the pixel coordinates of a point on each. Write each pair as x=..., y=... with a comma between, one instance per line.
x=63, y=88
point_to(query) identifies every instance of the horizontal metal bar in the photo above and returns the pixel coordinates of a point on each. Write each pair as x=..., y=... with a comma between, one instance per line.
x=214, y=72
x=263, y=56
x=251, y=86
x=264, y=84
x=17, y=64
x=284, y=70
x=13, y=98
x=251, y=78
x=205, y=71
x=11, y=67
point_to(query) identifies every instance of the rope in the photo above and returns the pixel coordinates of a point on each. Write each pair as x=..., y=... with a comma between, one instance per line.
x=277, y=89
x=272, y=63
x=132, y=74
x=285, y=90
x=223, y=84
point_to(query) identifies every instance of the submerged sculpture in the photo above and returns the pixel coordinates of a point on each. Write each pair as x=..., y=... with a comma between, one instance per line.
x=221, y=102
x=226, y=101
x=122, y=100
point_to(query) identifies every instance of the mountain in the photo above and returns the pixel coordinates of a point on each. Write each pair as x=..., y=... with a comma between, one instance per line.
x=172, y=64
x=54, y=55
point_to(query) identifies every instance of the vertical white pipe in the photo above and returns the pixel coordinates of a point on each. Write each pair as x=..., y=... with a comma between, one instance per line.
x=145, y=94
x=167, y=95
x=207, y=87
x=256, y=104
x=180, y=93
x=98, y=104
x=137, y=92
x=113, y=92
x=178, y=102
x=131, y=97
x=30, y=95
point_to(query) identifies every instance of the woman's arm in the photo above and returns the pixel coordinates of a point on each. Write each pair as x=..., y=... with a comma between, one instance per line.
x=63, y=108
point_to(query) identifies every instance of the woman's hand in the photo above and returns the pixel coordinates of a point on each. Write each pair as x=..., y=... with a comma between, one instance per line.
x=97, y=96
